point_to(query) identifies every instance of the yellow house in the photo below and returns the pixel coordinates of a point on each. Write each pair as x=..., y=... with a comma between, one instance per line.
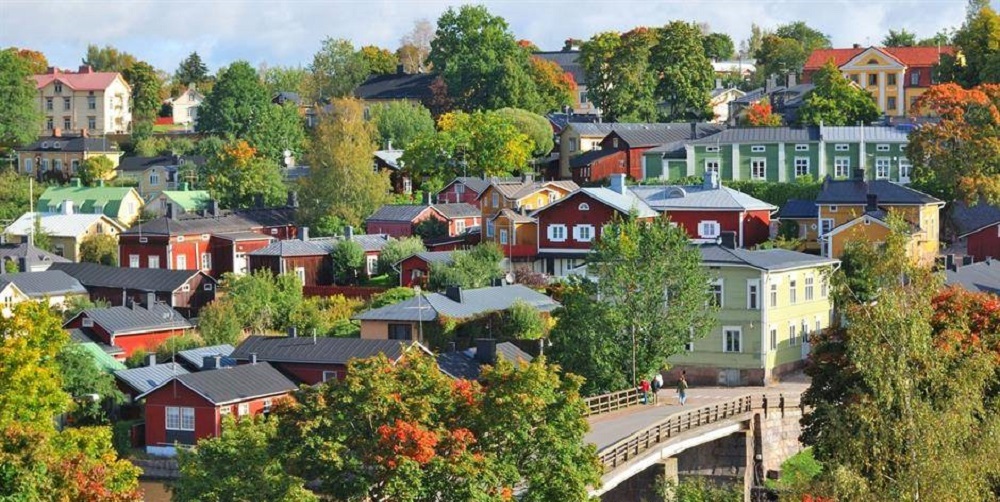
x=801, y=215
x=10, y=295
x=895, y=76
x=853, y=210
x=65, y=230
x=84, y=100
x=64, y=155
x=505, y=204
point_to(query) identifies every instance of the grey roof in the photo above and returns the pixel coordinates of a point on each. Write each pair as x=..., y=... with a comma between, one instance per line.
x=28, y=256
x=871, y=134
x=459, y=210
x=143, y=279
x=475, y=184
x=137, y=318
x=589, y=157
x=683, y=129
x=568, y=61
x=674, y=197
x=291, y=247
x=242, y=220
x=517, y=188
x=71, y=144
x=762, y=135
x=139, y=164
x=624, y=203
x=799, y=209
x=968, y=219
x=146, y=378
x=396, y=86
x=319, y=350
x=369, y=242
x=281, y=97
x=474, y=302
x=195, y=357
x=48, y=282
x=86, y=335
x=856, y=192
x=435, y=256
x=674, y=149
x=463, y=364
x=983, y=276
x=236, y=383
x=58, y=224
x=401, y=212
x=654, y=136
x=512, y=215
x=243, y=236
x=764, y=259
x=390, y=157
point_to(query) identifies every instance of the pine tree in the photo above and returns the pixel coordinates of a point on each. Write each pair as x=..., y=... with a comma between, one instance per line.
x=191, y=71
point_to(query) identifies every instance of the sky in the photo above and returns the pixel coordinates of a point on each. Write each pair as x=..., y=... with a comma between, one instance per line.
x=288, y=32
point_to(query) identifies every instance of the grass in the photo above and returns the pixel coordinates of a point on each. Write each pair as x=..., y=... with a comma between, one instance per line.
x=380, y=281
x=168, y=128
x=797, y=471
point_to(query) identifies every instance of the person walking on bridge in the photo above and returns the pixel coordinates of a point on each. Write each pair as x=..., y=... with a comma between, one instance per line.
x=682, y=387
x=657, y=385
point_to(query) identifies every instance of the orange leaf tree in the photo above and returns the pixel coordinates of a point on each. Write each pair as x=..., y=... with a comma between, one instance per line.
x=760, y=114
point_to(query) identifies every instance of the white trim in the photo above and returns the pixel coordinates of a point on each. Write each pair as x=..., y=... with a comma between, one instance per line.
x=739, y=341
x=551, y=234
x=753, y=283
x=853, y=222
x=722, y=291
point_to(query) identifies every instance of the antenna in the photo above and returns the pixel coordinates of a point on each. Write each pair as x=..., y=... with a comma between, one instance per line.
x=31, y=211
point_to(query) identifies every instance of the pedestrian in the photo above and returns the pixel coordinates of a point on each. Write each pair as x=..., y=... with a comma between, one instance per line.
x=682, y=387
x=657, y=385
x=644, y=388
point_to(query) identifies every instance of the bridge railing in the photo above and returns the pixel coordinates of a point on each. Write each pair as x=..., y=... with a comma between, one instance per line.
x=613, y=401
x=621, y=452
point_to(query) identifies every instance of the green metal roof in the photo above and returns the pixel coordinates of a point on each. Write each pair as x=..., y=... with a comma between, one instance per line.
x=190, y=200
x=106, y=362
x=86, y=198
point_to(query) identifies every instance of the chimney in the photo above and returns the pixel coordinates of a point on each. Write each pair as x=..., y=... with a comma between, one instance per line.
x=57, y=132
x=694, y=130
x=85, y=69
x=304, y=233
x=84, y=133
x=253, y=358
x=427, y=198
x=258, y=201
x=67, y=207
x=348, y=233
x=293, y=198
x=856, y=46
x=486, y=350
x=618, y=183
x=727, y=239
x=451, y=347
x=400, y=70
x=527, y=177
x=872, y=202
x=293, y=332
x=51, y=70
x=176, y=159
x=769, y=84
x=170, y=212
x=859, y=174
x=213, y=207
x=150, y=300
x=211, y=362
x=75, y=182
x=792, y=79
x=150, y=359
x=711, y=180
x=454, y=293
x=718, y=83
x=130, y=303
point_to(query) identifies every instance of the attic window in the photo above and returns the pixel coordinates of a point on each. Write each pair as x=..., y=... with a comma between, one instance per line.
x=757, y=148
x=180, y=238
x=274, y=231
x=204, y=237
x=873, y=61
x=882, y=148
x=711, y=149
x=802, y=148
x=614, y=142
x=143, y=240
x=584, y=206
x=45, y=144
x=185, y=288
x=88, y=322
x=841, y=147
x=56, y=144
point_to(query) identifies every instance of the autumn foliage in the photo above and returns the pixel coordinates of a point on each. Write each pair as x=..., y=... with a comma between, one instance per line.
x=760, y=114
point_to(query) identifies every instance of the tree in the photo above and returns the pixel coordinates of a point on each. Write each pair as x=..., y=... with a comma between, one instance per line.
x=281, y=129
x=218, y=323
x=76, y=304
x=475, y=268
x=901, y=38
x=285, y=79
x=99, y=248
x=779, y=56
x=835, y=102
x=20, y=117
x=146, y=99
x=415, y=47
x=379, y=61
x=760, y=114
x=397, y=250
x=237, y=103
x=326, y=316
x=336, y=70
x=556, y=87
x=237, y=176
x=431, y=228
x=108, y=59
x=94, y=169
x=810, y=38
x=637, y=266
x=341, y=183
x=718, y=46
x=686, y=74
x=619, y=79
x=191, y=71
x=480, y=61
x=81, y=376
x=533, y=126
x=36, y=61
x=524, y=322
x=262, y=301
x=237, y=465
x=391, y=297
x=16, y=194
x=958, y=157
x=976, y=41
x=400, y=122
x=40, y=237
x=405, y=431
x=30, y=381
x=348, y=257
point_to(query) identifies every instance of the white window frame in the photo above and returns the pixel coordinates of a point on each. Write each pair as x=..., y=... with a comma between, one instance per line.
x=810, y=287
x=773, y=295
x=711, y=149
x=713, y=164
x=801, y=162
x=133, y=261
x=841, y=167
x=371, y=264
x=753, y=294
x=882, y=163
x=793, y=291
x=802, y=147
x=703, y=227
x=824, y=287
x=181, y=262
x=154, y=179
x=207, y=286
x=496, y=199
x=553, y=230
x=459, y=226
x=503, y=237
x=758, y=148
x=143, y=240
x=329, y=375
x=267, y=405
x=153, y=261
x=225, y=410
x=718, y=289
x=87, y=322
x=206, y=261
x=841, y=147
x=183, y=418
x=726, y=330
x=243, y=409
x=300, y=272
x=583, y=233
x=689, y=344
x=825, y=226
x=882, y=147
x=755, y=163
x=185, y=288
x=907, y=166
x=583, y=207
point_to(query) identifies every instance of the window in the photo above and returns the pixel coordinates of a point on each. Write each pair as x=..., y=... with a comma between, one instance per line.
x=914, y=78
x=243, y=410
x=584, y=206
x=841, y=167
x=573, y=144
x=774, y=337
x=793, y=294
x=185, y=288
x=758, y=169
x=805, y=331
x=583, y=233
x=133, y=261
x=757, y=149
x=711, y=165
x=717, y=289
x=300, y=272
x=489, y=228
x=854, y=78
x=204, y=237
x=791, y=333
x=67, y=124
x=841, y=147
x=819, y=325
x=207, y=286
x=75, y=166
x=873, y=79
x=810, y=280
x=28, y=165
x=801, y=166
x=48, y=125
x=891, y=79
x=143, y=240
x=904, y=169
x=153, y=262
x=225, y=410
x=88, y=322
x=753, y=294
x=58, y=88
x=557, y=233
x=180, y=238
x=66, y=104
x=614, y=142
x=711, y=149
x=459, y=226
x=882, y=148
x=329, y=375
x=274, y=231
x=58, y=164
x=689, y=344
x=802, y=148
x=503, y=236
x=48, y=104
x=91, y=103
x=496, y=200
x=371, y=264
x=206, y=261
x=709, y=229
x=823, y=287
x=833, y=209
x=154, y=179
x=400, y=331
x=825, y=225
x=180, y=418
x=774, y=295
x=732, y=339
x=267, y=405
x=182, y=262
x=583, y=97
x=890, y=103
x=882, y=168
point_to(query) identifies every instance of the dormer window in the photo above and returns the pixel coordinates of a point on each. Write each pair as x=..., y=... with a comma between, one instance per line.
x=56, y=145
x=584, y=206
x=614, y=142
x=58, y=88
x=45, y=144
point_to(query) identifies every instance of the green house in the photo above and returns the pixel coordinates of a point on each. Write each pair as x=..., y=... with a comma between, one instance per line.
x=118, y=203
x=783, y=154
x=769, y=302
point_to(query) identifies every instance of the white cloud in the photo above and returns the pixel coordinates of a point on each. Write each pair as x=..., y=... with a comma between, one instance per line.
x=289, y=31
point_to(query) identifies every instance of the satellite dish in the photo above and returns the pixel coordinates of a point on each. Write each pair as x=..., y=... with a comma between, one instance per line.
x=509, y=278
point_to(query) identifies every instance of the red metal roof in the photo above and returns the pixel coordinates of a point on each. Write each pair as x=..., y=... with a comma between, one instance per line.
x=84, y=81
x=912, y=57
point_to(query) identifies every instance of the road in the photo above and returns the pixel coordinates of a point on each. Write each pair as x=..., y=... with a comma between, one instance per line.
x=609, y=428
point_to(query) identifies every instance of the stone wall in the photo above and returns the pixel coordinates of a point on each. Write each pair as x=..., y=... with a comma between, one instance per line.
x=779, y=435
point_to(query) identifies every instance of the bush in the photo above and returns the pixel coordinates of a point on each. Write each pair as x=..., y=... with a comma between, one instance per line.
x=348, y=257
x=175, y=344
x=390, y=297
x=219, y=323
x=396, y=250
x=121, y=438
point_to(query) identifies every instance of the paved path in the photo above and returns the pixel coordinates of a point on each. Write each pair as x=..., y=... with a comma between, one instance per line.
x=609, y=428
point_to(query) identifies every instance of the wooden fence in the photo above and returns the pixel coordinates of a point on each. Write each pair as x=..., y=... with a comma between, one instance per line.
x=613, y=401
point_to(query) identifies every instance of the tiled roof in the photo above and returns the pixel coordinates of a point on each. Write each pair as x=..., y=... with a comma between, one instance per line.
x=463, y=364
x=143, y=279
x=799, y=209
x=86, y=199
x=568, y=61
x=766, y=259
x=856, y=192
x=196, y=357
x=39, y=284
x=459, y=210
x=396, y=86
x=137, y=318
x=189, y=200
x=474, y=302
x=319, y=350
x=71, y=144
x=400, y=212
x=29, y=254
x=667, y=197
x=291, y=247
x=909, y=56
x=968, y=219
x=234, y=384
x=87, y=81
x=139, y=164
x=146, y=378
x=978, y=277
x=230, y=222
x=58, y=224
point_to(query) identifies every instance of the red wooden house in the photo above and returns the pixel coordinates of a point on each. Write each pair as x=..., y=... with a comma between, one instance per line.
x=313, y=360
x=402, y=220
x=416, y=270
x=463, y=189
x=309, y=261
x=189, y=407
x=136, y=326
x=978, y=227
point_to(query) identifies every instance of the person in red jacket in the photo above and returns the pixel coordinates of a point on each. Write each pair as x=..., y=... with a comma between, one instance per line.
x=644, y=388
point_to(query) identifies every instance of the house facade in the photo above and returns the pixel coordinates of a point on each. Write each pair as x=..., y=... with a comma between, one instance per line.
x=53, y=287
x=132, y=327
x=802, y=214
x=505, y=206
x=400, y=220
x=66, y=229
x=183, y=201
x=60, y=157
x=462, y=189
x=416, y=270
x=309, y=261
x=96, y=102
x=119, y=203
x=184, y=108
x=157, y=174
x=977, y=227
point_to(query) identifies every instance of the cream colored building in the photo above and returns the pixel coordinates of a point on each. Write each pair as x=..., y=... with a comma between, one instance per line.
x=184, y=108
x=63, y=154
x=66, y=229
x=98, y=102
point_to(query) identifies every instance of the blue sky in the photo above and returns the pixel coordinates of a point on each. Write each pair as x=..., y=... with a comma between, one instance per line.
x=288, y=32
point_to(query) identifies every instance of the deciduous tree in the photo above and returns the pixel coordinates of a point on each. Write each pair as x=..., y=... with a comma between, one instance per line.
x=475, y=268
x=20, y=118
x=835, y=102
x=400, y=122
x=379, y=61
x=901, y=38
x=760, y=114
x=82, y=376
x=219, y=323
x=348, y=257
x=337, y=69
x=94, y=169
x=397, y=250
x=976, y=41
x=36, y=60
x=99, y=248
x=262, y=300
x=718, y=46
x=285, y=79
x=556, y=87
x=415, y=47
x=619, y=79
x=146, y=98
x=534, y=126
x=236, y=104
x=686, y=74
x=237, y=176
x=108, y=58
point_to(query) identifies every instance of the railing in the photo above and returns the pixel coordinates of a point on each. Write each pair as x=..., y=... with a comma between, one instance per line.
x=613, y=401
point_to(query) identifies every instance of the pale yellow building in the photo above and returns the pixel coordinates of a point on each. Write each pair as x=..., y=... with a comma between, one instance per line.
x=62, y=156
x=98, y=102
x=66, y=230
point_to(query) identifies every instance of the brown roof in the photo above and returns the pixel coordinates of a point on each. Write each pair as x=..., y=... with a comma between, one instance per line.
x=519, y=189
